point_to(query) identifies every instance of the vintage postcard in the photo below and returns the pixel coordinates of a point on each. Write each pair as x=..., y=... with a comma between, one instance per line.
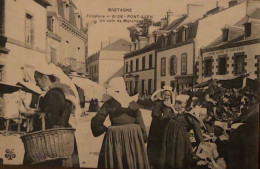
x=140, y=84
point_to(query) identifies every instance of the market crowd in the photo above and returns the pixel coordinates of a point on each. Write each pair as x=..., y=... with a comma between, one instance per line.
x=211, y=127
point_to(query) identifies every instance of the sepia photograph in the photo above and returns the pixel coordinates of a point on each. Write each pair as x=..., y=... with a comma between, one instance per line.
x=120, y=84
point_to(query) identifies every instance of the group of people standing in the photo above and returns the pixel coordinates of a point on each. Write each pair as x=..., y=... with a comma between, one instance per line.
x=168, y=142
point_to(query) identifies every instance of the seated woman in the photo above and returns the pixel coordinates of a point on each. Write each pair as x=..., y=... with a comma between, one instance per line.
x=123, y=144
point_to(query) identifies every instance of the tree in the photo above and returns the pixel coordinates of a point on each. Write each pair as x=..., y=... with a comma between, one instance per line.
x=140, y=29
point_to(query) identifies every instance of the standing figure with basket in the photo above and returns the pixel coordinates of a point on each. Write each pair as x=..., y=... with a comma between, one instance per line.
x=123, y=145
x=53, y=128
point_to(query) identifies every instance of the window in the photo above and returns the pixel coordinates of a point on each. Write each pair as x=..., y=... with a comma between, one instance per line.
x=50, y=23
x=53, y=56
x=184, y=64
x=184, y=34
x=150, y=61
x=131, y=88
x=143, y=86
x=173, y=65
x=95, y=69
x=143, y=63
x=126, y=67
x=150, y=86
x=239, y=64
x=162, y=84
x=163, y=66
x=172, y=84
x=225, y=34
x=1, y=72
x=222, y=65
x=137, y=65
x=247, y=29
x=29, y=29
x=136, y=86
x=131, y=66
x=208, y=67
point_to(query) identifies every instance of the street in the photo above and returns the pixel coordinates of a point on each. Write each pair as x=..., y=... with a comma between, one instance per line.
x=89, y=146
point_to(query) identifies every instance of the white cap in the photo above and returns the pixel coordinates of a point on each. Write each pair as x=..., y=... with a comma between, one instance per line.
x=220, y=124
x=44, y=69
x=167, y=88
x=183, y=98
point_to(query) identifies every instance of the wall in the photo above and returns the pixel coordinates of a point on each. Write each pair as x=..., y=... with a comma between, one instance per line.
x=21, y=53
x=250, y=51
x=178, y=51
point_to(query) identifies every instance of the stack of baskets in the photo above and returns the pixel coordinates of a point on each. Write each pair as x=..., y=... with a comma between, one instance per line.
x=51, y=144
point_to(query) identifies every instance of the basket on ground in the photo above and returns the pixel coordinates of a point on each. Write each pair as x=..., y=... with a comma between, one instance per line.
x=49, y=144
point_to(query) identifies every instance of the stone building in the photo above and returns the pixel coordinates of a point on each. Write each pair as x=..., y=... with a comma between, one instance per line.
x=107, y=62
x=66, y=39
x=235, y=52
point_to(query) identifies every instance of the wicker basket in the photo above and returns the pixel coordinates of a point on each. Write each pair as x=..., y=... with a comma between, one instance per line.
x=49, y=144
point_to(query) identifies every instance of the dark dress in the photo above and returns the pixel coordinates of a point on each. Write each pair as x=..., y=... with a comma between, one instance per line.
x=155, y=138
x=177, y=148
x=123, y=144
x=57, y=111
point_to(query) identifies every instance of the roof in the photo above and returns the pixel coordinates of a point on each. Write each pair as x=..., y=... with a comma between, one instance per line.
x=147, y=48
x=175, y=23
x=44, y=3
x=236, y=33
x=118, y=45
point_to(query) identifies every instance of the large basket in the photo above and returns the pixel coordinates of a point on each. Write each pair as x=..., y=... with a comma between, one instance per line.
x=49, y=144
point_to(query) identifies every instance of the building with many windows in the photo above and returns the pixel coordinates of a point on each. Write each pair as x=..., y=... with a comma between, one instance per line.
x=139, y=73
x=108, y=62
x=66, y=38
x=179, y=54
x=236, y=52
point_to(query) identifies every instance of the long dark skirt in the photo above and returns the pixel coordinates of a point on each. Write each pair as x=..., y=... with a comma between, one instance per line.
x=123, y=148
x=155, y=142
x=177, y=149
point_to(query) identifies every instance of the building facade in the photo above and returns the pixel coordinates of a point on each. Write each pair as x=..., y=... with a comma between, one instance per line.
x=185, y=41
x=139, y=71
x=236, y=52
x=24, y=36
x=108, y=62
x=66, y=39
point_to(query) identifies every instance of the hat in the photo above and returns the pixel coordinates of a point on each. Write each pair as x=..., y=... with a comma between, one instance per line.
x=183, y=98
x=44, y=69
x=219, y=124
x=165, y=88
x=117, y=90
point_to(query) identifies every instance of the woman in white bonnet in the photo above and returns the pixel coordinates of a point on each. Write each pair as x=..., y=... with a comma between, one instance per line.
x=123, y=145
x=161, y=110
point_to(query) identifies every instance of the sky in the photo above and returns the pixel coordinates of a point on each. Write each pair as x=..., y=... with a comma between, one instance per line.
x=108, y=32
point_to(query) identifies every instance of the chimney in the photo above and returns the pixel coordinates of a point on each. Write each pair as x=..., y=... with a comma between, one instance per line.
x=169, y=17
x=163, y=22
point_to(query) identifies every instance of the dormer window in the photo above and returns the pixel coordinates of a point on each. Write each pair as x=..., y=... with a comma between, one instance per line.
x=185, y=34
x=225, y=35
x=66, y=9
x=248, y=27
